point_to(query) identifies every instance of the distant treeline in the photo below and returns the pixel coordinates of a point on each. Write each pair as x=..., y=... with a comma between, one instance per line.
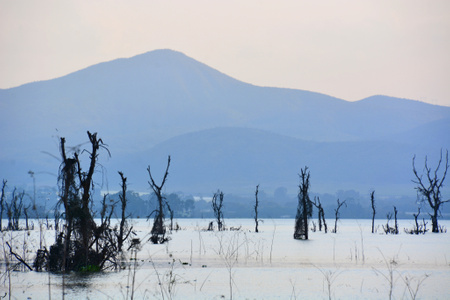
x=277, y=205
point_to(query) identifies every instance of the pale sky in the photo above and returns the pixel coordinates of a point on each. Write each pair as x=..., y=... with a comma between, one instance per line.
x=347, y=49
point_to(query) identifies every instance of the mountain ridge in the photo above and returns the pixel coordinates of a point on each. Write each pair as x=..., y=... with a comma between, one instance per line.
x=138, y=103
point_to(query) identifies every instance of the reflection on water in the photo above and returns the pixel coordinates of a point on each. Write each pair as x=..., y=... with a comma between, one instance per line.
x=77, y=281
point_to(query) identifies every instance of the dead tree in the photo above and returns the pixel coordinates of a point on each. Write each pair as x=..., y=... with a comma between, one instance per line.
x=158, y=230
x=256, y=209
x=416, y=224
x=170, y=210
x=60, y=252
x=2, y=203
x=82, y=245
x=124, y=231
x=304, y=207
x=417, y=228
x=372, y=201
x=35, y=209
x=429, y=188
x=321, y=214
x=395, y=220
x=388, y=229
x=85, y=182
x=217, y=205
x=14, y=210
x=25, y=212
x=336, y=214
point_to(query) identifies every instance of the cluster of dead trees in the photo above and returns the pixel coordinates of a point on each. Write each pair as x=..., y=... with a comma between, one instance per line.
x=81, y=244
x=15, y=209
x=305, y=209
x=429, y=189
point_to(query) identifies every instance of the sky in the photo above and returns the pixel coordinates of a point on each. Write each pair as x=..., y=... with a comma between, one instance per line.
x=347, y=49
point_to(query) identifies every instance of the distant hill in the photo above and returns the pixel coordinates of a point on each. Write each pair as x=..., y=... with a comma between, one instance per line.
x=221, y=132
x=236, y=159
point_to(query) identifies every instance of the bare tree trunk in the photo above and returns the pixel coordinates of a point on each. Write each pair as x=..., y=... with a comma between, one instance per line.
x=388, y=228
x=158, y=230
x=123, y=235
x=321, y=214
x=372, y=201
x=2, y=203
x=336, y=213
x=88, y=225
x=256, y=209
x=170, y=216
x=217, y=205
x=304, y=207
x=25, y=212
x=416, y=229
x=395, y=219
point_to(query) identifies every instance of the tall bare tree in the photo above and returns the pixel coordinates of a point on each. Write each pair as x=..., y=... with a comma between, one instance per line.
x=429, y=185
x=321, y=214
x=336, y=213
x=217, y=205
x=158, y=230
x=85, y=182
x=304, y=207
x=124, y=230
x=372, y=202
x=395, y=220
x=2, y=203
x=256, y=208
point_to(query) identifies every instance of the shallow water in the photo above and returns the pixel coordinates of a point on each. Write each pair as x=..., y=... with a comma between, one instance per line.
x=196, y=264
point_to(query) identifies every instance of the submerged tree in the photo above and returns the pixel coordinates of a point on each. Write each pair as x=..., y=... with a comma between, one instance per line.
x=321, y=214
x=416, y=224
x=124, y=229
x=2, y=203
x=25, y=212
x=171, y=213
x=82, y=245
x=395, y=220
x=417, y=228
x=256, y=209
x=336, y=214
x=14, y=209
x=372, y=201
x=388, y=229
x=217, y=205
x=304, y=207
x=158, y=230
x=429, y=189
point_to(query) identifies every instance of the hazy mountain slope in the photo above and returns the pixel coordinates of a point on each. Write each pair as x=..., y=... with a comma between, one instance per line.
x=163, y=93
x=139, y=102
x=236, y=159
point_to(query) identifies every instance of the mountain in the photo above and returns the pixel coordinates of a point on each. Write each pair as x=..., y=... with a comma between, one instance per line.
x=237, y=159
x=163, y=102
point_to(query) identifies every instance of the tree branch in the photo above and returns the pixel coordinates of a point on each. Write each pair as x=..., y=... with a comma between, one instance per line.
x=20, y=259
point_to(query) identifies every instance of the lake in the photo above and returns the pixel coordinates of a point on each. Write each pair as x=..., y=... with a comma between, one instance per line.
x=197, y=264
